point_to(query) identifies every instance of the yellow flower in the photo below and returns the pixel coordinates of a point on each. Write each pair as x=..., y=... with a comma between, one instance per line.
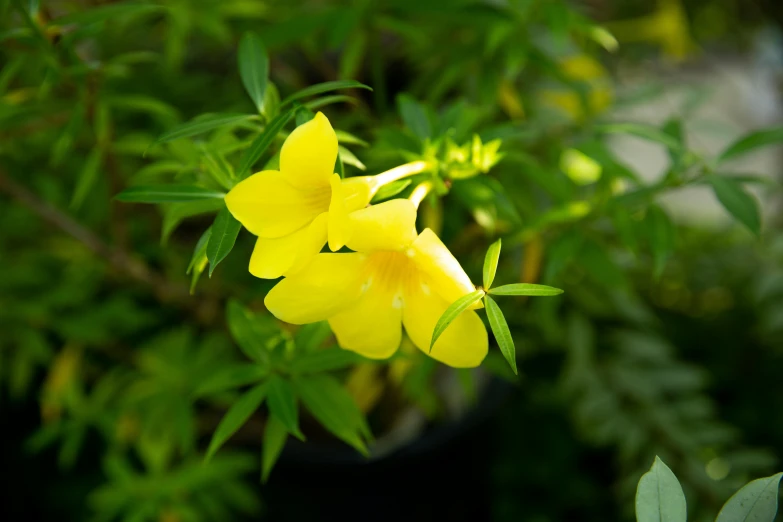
x=295, y=210
x=395, y=278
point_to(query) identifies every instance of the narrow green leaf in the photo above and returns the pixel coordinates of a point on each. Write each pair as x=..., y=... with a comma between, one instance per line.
x=325, y=87
x=310, y=337
x=334, y=408
x=251, y=331
x=661, y=235
x=105, y=12
x=225, y=230
x=303, y=114
x=640, y=130
x=87, y=178
x=235, y=417
x=737, y=202
x=491, y=264
x=346, y=138
x=659, y=496
x=501, y=332
x=347, y=157
x=282, y=404
x=757, y=501
x=262, y=142
x=526, y=289
x=201, y=125
x=391, y=189
x=328, y=100
x=167, y=194
x=325, y=360
x=451, y=313
x=230, y=377
x=751, y=142
x=339, y=167
x=254, y=67
x=275, y=436
x=200, y=251
x=414, y=115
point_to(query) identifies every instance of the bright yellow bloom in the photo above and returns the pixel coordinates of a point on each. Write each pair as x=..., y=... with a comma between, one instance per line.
x=295, y=210
x=395, y=278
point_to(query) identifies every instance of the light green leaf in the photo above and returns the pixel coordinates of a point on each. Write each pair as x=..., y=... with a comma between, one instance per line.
x=325, y=360
x=250, y=331
x=347, y=138
x=501, y=332
x=87, y=178
x=737, y=202
x=414, y=115
x=200, y=125
x=282, y=404
x=199, y=260
x=275, y=436
x=451, y=313
x=391, y=189
x=105, y=12
x=254, y=67
x=325, y=87
x=167, y=194
x=526, y=289
x=328, y=100
x=334, y=408
x=659, y=496
x=751, y=142
x=235, y=417
x=640, y=130
x=225, y=230
x=491, y=264
x=755, y=502
x=347, y=157
x=262, y=142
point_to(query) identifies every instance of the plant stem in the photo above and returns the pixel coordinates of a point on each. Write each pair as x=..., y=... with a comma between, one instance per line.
x=419, y=193
x=403, y=171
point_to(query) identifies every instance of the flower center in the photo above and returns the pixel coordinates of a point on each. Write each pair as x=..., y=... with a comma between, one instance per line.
x=389, y=272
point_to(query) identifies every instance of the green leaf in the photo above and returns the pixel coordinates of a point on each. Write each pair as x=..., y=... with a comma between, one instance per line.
x=328, y=100
x=235, y=417
x=526, y=289
x=303, y=114
x=225, y=230
x=230, y=377
x=661, y=234
x=414, y=115
x=262, y=142
x=310, y=337
x=325, y=87
x=334, y=408
x=87, y=178
x=755, y=502
x=491, y=264
x=659, y=496
x=501, y=332
x=105, y=12
x=325, y=360
x=737, y=202
x=254, y=67
x=391, y=189
x=200, y=125
x=282, y=404
x=451, y=313
x=175, y=213
x=250, y=331
x=640, y=130
x=198, y=262
x=275, y=436
x=751, y=142
x=166, y=194
x=347, y=157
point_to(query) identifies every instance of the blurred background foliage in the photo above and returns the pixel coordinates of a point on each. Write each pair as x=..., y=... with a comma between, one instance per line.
x=595, y=137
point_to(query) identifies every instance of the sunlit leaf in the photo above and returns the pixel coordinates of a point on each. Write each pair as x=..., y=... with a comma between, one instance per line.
x=166, y=194
x=236, y=416
x=391, y=189
x=453, y=311
x=501, y=332
x=525, y=289
x=225, y=230
x=324, y=87
x=491, y=264
x=755, y=502
x=659, y=496
x=282, y=403
x=738, y=202
x=347, y=157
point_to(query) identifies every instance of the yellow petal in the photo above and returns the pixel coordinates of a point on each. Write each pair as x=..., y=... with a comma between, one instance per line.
x=324, y=288
x=308, y=154
x=463, y=344
x=269, y=207
x=387, y=226
x=372, y=326
x=444, y=272
x=339, y=224
x=358, y=192
x=273, y=258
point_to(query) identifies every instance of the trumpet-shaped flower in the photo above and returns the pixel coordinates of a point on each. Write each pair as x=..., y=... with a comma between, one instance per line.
x=395, y=278
x=295, y=210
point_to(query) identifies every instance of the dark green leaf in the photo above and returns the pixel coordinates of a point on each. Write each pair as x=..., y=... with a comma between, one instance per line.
x=166, y=194
x=303, y=114
x=334, y=408
x=199, y=260
x=254, y=67
x=325, y=87
x=105, y=12
x=275, y=436
x=661, y=233
x=328, y=100
x=525, y=289
x=659, y=496
x=262, y=142
x=87, y=178
x=737, y=202
x=391, y=189
x=325, y=360
x=282, y=404
x=235, y=417
x=451, y=313
x=225, y=230
x=201, y=125
x=640, y=130
x=230, y=377
x=251, y=331
x=414, y=115
x=491, y=264
x=310, y=337
x=751, y=142
x=501, y=332
x=756, y=502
